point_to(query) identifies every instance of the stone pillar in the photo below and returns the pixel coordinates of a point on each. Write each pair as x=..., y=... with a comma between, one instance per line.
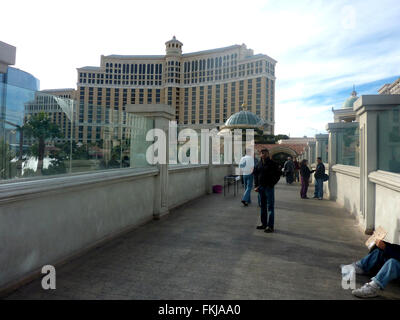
x=322, y=141
x=367, y=108
x=311, y=147
x=332, y=154
x=162, y=114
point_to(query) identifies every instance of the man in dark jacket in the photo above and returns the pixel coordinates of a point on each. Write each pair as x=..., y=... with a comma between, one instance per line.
x=319, y=182
x=267, y=175
x=384, y=261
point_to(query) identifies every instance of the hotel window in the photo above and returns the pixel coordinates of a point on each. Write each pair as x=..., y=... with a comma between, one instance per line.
x=209, y=101
x=133, y=96
x=124, y=98
x=141, y=96
x=241, y=84
x=201, y=106
x=193, y=105
x=186, y=106
x=170, y=96
x=158, y=95
x=233, y=97
x=116, y=98
x=249, y=92
x=225, y=102
x=217, y=103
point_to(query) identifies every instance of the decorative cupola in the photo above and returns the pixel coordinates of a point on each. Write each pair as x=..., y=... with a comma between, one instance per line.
x=173, y=47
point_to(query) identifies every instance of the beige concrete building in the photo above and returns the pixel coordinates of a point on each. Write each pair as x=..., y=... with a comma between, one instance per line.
x=390, y=88
x=204, y=87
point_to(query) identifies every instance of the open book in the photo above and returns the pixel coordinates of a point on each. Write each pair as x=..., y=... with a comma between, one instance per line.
x=379, y=234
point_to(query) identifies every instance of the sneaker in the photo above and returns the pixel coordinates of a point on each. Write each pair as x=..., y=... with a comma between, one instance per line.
x=319, y=198
x=269, y=230
x=245, y=203
x=261, y=227
x=368, y=290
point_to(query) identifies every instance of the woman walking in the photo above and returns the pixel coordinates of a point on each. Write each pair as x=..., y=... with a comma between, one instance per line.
x=305, y=173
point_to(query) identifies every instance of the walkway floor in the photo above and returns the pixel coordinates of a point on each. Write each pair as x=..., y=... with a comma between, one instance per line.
x=210, y=249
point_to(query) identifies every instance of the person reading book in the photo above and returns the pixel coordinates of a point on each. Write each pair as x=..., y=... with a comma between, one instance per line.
x=383, y=261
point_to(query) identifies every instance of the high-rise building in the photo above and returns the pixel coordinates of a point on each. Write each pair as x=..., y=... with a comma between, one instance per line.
x=204, y=87
x=58, y=104
x=390, y=88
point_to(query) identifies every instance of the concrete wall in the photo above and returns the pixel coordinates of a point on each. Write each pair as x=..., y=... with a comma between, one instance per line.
x=345, y=188
x=186, y=183
x=189, y=182
x=51, y=220
x=47, y=221
x=387, y=201
x=219, y=172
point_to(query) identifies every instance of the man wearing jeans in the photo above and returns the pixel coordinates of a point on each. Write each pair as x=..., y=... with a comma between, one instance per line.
x=384, y=261
x=266, y=175
x=319, y=182
x=246, y=166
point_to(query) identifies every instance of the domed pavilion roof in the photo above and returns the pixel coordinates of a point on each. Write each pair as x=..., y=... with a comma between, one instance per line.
x=244, y=119
x=348, y=104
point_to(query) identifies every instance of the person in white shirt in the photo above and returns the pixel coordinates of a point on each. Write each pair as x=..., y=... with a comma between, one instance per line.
x=246, y=166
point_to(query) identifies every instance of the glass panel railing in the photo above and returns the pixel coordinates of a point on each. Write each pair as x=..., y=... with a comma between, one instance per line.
x=42, y=134
x=348, y=146
x=389, y=140
x=324, y=151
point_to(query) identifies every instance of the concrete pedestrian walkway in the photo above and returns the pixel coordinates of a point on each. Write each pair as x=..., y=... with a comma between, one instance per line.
x=210, y=249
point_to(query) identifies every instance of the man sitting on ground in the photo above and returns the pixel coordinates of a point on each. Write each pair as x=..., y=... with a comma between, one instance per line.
x=384, y=261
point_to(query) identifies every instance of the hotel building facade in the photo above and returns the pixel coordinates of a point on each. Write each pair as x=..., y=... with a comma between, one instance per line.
x=204, y=87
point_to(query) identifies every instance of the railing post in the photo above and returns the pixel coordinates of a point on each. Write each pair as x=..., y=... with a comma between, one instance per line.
x=332, y=158
x=367, y=108
x=162, y=114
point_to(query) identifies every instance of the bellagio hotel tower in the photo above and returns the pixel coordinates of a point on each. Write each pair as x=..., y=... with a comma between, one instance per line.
x=204, y=87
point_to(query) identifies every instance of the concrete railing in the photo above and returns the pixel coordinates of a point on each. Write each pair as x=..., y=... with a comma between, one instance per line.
x=387, y=201
x=50, y=221
x=344, y=187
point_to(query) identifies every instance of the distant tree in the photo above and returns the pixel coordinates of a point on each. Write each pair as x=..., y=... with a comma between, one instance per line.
x=7, y=167
x=281, y=137
x=269, y=138
x=40, y=127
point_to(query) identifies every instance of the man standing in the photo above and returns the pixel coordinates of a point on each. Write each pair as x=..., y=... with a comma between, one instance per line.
x=246, y=166
x=289, y=170
x=267, y=175
x=319, y=182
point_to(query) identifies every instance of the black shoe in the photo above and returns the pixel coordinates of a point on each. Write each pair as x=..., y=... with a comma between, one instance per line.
x=261, y=227
x=245, y=203
x=269, y=230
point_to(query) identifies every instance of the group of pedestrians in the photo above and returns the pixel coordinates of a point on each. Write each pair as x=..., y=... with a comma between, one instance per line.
x=319, y=176
x=265, y=174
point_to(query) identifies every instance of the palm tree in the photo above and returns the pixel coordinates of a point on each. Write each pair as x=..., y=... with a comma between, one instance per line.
x=40, y=127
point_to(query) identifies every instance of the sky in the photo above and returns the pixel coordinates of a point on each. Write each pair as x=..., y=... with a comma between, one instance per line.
x=323, y=47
